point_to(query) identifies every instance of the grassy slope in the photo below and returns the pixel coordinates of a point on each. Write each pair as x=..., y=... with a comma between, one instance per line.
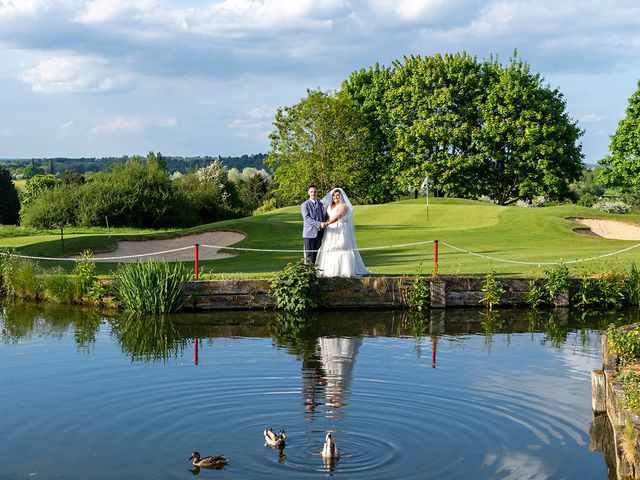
x=531, y=235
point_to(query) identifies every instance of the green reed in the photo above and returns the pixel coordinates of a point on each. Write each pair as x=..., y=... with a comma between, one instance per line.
x=151, y=287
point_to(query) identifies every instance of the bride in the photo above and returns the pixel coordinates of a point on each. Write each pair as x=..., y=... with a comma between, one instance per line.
x=339, y=256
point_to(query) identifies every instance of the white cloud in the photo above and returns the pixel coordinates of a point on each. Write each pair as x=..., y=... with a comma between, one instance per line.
x=123, y=123
x=5, y=132
x=74, y=74
x=99, y=11
x=256, y=123
x=593, y=118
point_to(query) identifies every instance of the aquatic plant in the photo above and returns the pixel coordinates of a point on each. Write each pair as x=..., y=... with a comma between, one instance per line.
x=536, y=295
x=151, y=287
x=558, y=280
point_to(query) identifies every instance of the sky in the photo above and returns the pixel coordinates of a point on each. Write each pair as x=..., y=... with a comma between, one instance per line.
x=203, y=77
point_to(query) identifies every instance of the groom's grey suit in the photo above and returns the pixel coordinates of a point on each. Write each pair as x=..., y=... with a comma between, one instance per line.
x=313, y=214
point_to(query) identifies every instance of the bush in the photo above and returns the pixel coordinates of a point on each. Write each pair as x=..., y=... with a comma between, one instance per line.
x=587, y=200
x=558, y=280
x=294, y=288
x=267, y=206
x=53, y=207
x=418, y=292
x=151, y=287
x=625, y=342
x=611, y=206
x=491, y=291
x=606, y=290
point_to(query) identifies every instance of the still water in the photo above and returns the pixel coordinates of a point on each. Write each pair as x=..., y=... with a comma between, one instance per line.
x=455, y=395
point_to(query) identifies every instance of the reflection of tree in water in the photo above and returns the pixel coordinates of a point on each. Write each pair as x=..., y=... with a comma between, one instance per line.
x=23, y=321
x=491, y=324
x=149, y=338
x=418, y=322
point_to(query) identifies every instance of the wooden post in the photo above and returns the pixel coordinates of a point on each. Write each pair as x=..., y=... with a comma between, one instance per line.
x=197, y=260
x=435, y=257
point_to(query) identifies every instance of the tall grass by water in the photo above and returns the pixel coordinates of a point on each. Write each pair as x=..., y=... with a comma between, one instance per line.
x=151, y=287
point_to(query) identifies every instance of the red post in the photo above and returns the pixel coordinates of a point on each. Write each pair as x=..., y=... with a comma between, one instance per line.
x=434, y=341
x=197, y=253
x=435, y=257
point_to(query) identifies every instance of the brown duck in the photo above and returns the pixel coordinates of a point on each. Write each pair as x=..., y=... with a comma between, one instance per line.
x=208, y=462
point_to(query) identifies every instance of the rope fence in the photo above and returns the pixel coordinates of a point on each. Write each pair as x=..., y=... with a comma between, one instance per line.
x=435, y=243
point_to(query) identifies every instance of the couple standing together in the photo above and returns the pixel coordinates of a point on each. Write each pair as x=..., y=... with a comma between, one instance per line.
x=329, y=235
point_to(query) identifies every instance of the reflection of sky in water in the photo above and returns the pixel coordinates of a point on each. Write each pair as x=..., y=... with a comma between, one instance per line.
x=506, y=406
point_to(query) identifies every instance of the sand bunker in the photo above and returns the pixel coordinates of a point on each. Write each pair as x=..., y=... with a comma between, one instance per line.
x=608, y=228
x=138, y=247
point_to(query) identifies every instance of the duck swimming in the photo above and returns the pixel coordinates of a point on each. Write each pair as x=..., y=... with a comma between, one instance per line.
x=275, y=440
x=330, y=449
x=208, y=462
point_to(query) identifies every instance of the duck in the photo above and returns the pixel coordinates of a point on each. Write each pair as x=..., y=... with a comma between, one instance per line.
x=275, y=440
x=212, y=461
x=330, y=449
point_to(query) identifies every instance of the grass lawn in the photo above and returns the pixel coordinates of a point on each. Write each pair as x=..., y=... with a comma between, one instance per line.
x=513, y=233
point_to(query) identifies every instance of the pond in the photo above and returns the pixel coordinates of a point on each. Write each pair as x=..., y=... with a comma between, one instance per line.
x=455, y=395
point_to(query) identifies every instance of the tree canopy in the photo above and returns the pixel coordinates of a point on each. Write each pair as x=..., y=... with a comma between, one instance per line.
x=622, y=167
x=9, y=202
x=476, y=128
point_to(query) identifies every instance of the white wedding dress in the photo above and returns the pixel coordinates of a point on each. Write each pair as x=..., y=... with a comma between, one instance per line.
x=338, y=256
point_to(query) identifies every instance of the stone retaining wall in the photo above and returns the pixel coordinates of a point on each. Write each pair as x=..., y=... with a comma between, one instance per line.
x=366, y=292
x=607, y=404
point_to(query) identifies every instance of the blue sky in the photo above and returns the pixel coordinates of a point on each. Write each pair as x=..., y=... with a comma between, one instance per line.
x=204, y=77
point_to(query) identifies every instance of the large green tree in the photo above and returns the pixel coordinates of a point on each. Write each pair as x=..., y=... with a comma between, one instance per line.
x=480, y=128
x=320, y=140
x=526, y=143
x=367, y=88
x=9, y=202
x=622, y=166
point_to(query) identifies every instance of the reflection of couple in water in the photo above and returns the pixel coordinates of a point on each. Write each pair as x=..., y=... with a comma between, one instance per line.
x=328, y=372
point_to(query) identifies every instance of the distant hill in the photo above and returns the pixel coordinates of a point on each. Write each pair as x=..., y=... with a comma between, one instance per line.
x=92, y=164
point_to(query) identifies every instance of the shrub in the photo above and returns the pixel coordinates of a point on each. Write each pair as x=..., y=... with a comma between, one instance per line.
x=267, y=206
x=587, y=200
x=633, y=285
x=603, y=290
x=418, y=292
x=151, y=287
x=491, y=291
x=625, y=342
x=611, y=206
x=558, y=279
x=629, y=381
x=53, y=207
x=536, y=296
x=86, y=280
x=294, y=288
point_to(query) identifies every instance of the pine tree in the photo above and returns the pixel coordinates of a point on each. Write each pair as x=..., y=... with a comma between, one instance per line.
x=9, y=202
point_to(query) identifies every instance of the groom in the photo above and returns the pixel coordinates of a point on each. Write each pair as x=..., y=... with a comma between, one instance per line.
x=314, y=215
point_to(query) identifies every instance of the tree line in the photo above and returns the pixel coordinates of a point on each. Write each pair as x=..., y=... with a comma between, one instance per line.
x=27, y=168
x=139, y=192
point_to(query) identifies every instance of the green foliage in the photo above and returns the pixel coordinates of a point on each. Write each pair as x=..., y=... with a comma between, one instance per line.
x=321, y=140
x=59, y=287
x=491, y=291
x=633, y=285
x=587, y=200
x=35, y=186
x=367, y=88
x=53, y=207
x=87, y=284
x=151, y=287
x=558, y=279
x=21, y=278
x=294, y=287
x=604, y=290
x=625, y=342
x=622, y=167
x=135, y=193
x=480, y=128
x=629, y=380
x=9, y=202
x=418, y=292
x=536, y=295
x=253, y=191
